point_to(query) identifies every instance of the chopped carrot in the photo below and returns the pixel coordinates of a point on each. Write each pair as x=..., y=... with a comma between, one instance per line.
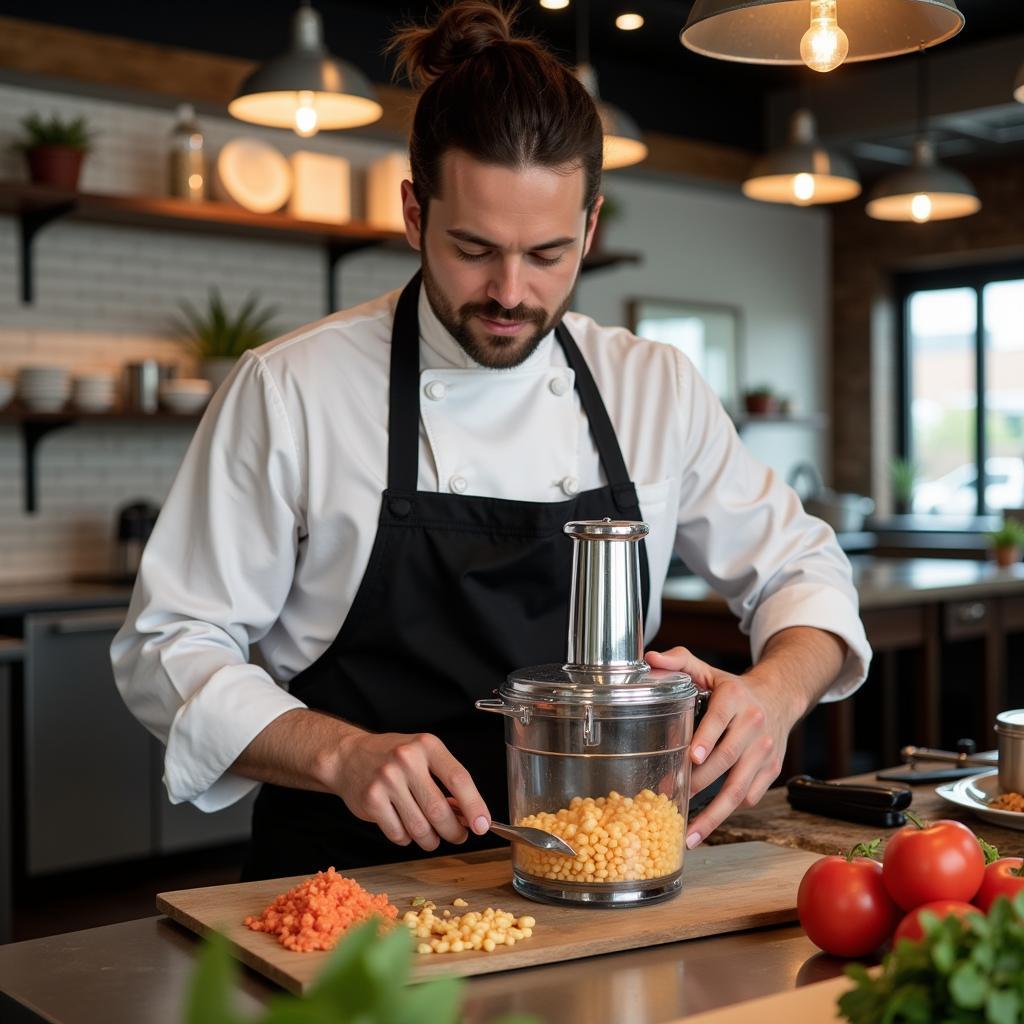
x=318, y=911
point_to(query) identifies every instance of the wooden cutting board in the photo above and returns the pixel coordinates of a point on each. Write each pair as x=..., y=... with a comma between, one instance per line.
x=725, y=889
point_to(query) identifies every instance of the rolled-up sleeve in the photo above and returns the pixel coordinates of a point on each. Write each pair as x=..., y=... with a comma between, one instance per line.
x=213, y=579
x=746, y=532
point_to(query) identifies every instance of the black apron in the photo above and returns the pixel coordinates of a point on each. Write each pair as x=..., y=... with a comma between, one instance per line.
x=459, y=591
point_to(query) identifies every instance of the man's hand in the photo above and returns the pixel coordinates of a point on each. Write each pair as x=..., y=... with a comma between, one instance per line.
x=389, y=779
x=748, y=720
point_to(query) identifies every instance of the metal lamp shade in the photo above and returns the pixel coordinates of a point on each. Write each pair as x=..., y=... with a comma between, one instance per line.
x=623, y=144
x=951, y=193
x=769, y=31
x=772, y=177
x=341, y=94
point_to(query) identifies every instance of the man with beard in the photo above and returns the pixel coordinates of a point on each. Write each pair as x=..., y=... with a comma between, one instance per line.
x=377, y=500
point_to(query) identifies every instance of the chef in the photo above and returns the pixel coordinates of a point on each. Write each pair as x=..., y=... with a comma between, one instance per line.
x=377, y=500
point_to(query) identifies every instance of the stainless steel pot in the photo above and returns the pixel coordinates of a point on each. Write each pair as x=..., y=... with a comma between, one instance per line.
x=597, y=748
x=845, y=513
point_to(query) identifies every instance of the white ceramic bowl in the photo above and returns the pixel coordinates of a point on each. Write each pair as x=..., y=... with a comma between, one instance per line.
x=185, y=396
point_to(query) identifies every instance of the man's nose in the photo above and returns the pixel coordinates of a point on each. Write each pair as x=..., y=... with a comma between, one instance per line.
x=506, y=286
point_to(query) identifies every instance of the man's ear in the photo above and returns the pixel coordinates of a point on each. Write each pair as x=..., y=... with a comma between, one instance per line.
x=592, y=223
x=412, y=213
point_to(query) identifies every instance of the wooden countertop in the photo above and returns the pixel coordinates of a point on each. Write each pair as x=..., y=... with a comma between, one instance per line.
x=887, y=582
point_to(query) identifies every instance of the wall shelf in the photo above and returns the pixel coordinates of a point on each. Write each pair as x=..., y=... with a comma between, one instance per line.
x=34, y=426
x=35, y=206
x=812, y=421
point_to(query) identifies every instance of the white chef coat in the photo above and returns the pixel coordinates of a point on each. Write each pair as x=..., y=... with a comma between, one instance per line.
x=267, y=530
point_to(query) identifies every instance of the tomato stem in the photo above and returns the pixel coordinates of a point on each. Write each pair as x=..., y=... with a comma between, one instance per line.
x=911, y=816
x=991, y=852
x=864, y=849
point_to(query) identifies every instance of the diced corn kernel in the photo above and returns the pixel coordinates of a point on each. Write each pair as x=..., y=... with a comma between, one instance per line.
x=459, y=902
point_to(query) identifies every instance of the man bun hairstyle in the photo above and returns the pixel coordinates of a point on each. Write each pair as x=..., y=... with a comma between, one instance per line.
x=501, y=98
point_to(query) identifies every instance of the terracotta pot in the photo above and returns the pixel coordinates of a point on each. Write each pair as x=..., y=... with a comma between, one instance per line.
x=760, y=404
x=1007, y=555
x=59, y=166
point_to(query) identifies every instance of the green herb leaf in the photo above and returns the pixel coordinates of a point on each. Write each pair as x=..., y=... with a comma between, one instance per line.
x=209, y=997
x=990, y=851
x=968, y=987
x=1003, y=1006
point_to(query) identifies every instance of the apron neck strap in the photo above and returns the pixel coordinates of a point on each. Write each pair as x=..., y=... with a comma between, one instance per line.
x=404, y=402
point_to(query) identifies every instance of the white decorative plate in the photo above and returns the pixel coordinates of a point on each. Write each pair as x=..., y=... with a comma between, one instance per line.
x=974, y=793
x=254, y=174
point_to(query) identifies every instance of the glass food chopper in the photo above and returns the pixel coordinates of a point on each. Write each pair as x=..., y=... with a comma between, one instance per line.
x=598, y=748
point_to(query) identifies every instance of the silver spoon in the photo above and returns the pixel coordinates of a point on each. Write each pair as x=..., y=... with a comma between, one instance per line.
x=533, y=837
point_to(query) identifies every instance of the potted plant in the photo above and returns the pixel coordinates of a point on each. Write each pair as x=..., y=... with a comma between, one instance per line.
x=761, y=400
x=219, y=337
x=903, y=475
x=1007, y=542
x=55, y=149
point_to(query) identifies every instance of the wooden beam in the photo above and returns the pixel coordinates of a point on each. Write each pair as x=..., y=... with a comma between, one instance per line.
x=112, y=62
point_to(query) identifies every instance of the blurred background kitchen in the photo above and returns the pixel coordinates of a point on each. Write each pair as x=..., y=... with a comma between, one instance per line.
x=841, y=253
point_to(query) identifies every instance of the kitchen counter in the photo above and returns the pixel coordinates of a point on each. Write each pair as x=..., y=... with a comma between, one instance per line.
x=60, y=595
x=139, y=971
x=889, y=582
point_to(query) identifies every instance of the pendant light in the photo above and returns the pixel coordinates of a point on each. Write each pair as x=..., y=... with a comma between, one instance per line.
x=306, y=89
x=1018, y=87
x=926, y=190
x=803, y=172
x=815, y=32
x=623, y=142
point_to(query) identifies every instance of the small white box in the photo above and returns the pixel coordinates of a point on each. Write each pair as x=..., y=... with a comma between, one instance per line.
x=321, y=188
x=384, y=179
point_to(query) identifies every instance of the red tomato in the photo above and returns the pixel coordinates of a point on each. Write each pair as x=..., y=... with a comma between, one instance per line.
x=910, y=926
x=844, y=907
x=941, y=861
x=1000, y=880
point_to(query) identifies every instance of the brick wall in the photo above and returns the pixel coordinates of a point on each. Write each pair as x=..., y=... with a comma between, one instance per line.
x=865, y=255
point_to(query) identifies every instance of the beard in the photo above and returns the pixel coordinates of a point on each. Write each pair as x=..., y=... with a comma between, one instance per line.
x=495, y=351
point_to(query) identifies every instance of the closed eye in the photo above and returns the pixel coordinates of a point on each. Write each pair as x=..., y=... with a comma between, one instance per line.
x=470, y=257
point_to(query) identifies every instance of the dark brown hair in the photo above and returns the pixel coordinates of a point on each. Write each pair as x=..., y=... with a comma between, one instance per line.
x=500, y=98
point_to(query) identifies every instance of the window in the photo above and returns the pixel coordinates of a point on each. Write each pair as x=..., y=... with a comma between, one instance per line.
x=962, y=405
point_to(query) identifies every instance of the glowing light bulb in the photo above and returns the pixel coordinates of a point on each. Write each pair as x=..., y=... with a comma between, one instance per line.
x=921, y=207
x=803, y=187
x=305, y=115
x=824, y=45
x=629, y=22
x=554, y=5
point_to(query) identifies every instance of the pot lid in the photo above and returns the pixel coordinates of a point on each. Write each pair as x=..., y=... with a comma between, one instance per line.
x=607, y=529
x=1011, y=722
x=554, y=684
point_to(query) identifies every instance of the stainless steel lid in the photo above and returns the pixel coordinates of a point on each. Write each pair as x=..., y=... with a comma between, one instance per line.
x=1011, y=723
x=620, y=529
x=554, y=684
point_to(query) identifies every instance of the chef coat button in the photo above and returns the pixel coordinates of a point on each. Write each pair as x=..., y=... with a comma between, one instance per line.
x=400, y=507
x=435, y=390
x=570, y=485
x=458, y=484
x=558, y=385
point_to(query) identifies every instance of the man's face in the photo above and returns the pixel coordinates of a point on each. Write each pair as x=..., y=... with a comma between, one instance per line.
x=501, y=252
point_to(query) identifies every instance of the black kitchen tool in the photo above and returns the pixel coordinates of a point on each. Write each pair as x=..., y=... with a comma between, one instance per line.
x=971, y=763
x=882, y=806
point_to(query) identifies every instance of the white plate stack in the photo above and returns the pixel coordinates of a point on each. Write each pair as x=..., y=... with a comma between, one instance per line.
x=94, y=392
x=185, y=395
x=43, y=388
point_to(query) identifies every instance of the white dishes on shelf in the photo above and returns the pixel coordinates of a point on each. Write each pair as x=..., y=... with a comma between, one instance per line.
x=185, y=395
x=94, y=392
x=253, y=174
x=43, y=388
x=6, y=391
x=974, y=793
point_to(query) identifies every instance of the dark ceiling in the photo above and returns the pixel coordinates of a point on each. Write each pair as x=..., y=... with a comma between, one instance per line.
x=648, y=72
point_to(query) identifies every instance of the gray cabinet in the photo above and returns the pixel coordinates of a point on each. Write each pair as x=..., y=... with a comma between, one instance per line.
x=92, y=773
x=87, y=760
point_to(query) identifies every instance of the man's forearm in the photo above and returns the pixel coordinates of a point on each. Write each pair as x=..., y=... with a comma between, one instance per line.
x=800, y=663
x=298, y=749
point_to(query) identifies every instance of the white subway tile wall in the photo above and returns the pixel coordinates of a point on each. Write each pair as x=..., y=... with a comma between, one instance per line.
x=105, y=296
